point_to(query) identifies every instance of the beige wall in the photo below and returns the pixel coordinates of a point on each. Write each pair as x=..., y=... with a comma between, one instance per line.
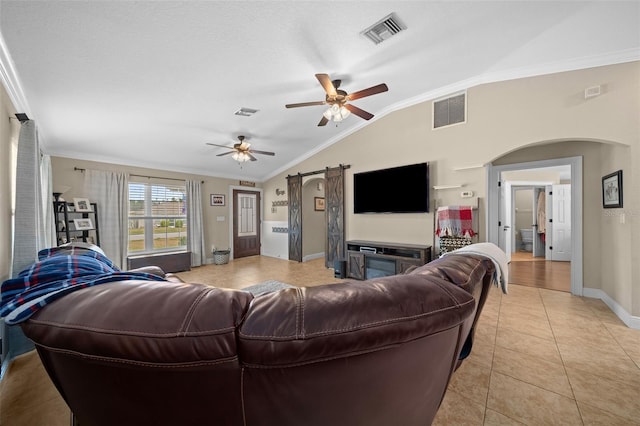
x=503, y=118
x=216, y=232
x=8, y=133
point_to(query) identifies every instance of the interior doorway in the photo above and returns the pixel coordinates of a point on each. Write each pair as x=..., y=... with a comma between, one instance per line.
x=500, y=222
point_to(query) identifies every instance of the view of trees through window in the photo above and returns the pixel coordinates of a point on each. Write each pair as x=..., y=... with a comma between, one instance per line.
x=157, y=217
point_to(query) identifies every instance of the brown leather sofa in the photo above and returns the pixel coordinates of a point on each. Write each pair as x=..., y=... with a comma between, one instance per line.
x=377, y=352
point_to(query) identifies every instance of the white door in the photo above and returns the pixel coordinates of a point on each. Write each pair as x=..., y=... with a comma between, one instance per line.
x=561, y=220
x=504, y=233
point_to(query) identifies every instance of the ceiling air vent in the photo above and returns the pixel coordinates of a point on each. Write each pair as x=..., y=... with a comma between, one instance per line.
x=246, y=112
x=383, y=29
x=449, y=111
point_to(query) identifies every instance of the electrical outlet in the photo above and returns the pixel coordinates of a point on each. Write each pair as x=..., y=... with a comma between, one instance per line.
x=466, y=194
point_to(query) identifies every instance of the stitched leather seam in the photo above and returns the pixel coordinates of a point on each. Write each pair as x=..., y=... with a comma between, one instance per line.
x=364, y=325
x=191, y=312
x=345, y=355
x=82, y=327
x=301, y=295
x=156, y=364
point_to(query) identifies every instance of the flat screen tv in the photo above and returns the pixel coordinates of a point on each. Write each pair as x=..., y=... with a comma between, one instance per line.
x=402, y=189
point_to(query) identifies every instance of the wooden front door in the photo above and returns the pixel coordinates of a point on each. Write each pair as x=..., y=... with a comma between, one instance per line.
x=246, y=223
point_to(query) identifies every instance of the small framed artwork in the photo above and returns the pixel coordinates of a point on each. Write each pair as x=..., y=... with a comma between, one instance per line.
x=83, y=224
x=82, y=205
x=217, y=200
x=612, y=190
x=318, y=204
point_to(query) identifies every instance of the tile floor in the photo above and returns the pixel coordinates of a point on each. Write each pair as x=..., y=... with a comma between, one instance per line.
x=541, y=357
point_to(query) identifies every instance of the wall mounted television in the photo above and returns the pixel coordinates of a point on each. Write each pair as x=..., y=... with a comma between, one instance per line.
x=403, y=189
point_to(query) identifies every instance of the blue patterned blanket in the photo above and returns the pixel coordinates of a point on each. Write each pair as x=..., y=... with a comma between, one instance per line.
x=57, y=272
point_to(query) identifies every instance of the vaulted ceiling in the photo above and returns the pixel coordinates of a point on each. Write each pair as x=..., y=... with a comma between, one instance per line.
x=149, y=83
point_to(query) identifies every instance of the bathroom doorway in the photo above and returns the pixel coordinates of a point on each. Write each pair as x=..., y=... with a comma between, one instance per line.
x=502, y=228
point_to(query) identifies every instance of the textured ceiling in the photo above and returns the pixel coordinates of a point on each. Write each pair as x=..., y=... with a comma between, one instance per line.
x=148, y=83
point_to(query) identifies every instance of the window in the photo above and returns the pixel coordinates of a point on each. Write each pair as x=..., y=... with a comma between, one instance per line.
x=157, y=217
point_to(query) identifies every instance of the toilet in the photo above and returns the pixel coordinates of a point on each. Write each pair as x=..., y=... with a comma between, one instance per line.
x=527, y=239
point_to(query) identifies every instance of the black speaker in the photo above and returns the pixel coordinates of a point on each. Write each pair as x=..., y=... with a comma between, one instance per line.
x=340, y=268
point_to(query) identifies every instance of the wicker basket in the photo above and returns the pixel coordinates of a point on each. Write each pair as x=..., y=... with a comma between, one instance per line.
x=221, y=257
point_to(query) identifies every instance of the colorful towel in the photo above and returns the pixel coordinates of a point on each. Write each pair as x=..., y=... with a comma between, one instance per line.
x=58, y=271
x=455, y=221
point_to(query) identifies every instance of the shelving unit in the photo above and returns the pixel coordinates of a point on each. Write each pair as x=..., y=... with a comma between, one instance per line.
x=64, y=217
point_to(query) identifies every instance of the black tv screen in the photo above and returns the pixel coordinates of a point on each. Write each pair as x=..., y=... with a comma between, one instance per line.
x=402, y=189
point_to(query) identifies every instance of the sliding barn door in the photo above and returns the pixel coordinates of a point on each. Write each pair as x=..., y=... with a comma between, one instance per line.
x=295, y=217
x=334, y=211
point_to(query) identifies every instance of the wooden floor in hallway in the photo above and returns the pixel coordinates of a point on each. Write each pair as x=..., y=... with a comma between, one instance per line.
x=530, y=271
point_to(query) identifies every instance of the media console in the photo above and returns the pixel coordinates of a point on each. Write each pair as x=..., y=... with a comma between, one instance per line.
x=372, y=259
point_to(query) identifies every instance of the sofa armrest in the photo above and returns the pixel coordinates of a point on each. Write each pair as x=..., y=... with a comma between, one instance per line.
x=154, y=270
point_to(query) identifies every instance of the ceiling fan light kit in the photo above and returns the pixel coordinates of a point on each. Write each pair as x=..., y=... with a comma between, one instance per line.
x=336, y=113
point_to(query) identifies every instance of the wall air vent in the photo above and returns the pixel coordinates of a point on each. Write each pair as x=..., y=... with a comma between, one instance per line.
x=383, y=29
x=451, y=110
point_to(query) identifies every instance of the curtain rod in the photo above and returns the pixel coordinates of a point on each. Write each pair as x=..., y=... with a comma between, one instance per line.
x=79, y=169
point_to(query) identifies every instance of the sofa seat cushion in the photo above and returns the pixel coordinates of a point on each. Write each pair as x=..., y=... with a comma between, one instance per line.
x=303, y=325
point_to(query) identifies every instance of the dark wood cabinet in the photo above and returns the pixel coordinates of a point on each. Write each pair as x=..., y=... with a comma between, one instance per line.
x=372, y=259
x=72, y=225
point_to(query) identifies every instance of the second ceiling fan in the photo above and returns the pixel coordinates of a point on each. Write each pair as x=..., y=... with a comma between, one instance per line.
x=241, y=151
x=337, y=99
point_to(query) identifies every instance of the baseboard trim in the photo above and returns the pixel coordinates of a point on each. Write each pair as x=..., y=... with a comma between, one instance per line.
x=630, y=320
x=313, y=256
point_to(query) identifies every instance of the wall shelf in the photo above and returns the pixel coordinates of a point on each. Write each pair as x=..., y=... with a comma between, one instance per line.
x=438, y=187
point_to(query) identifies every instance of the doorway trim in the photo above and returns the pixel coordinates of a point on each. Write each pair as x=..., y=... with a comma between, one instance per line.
x=230, y=213
x=493, y=209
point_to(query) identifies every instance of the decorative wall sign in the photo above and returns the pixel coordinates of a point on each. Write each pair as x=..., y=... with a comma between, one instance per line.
x=247, y=183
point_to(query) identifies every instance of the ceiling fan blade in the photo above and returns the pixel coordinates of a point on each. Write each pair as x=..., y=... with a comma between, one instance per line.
x=359, y=112
x=304, y=104
x=324, y=121
x=251, y=156
x=255, y=151
x=221, y=146
x=325, y=80
x=374, y=90
x=225, y=153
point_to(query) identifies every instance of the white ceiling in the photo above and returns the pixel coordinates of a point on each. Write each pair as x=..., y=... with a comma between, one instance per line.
x=148, y=83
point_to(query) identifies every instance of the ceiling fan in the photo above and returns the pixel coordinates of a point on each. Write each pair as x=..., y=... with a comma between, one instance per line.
x=337, y=100
x=241, y=151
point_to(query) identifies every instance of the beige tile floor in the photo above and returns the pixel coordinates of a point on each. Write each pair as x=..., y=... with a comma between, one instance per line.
x=541, y=357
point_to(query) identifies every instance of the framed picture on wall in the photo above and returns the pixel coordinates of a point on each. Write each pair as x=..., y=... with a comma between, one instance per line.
x=612, y=190
x=318, y=204
x=217, y=200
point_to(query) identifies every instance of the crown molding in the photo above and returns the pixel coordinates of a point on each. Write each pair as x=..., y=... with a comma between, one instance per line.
x=11, y=81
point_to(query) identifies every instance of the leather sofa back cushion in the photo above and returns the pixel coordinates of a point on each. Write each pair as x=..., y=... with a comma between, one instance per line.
x=153, y=322
x=303, y=325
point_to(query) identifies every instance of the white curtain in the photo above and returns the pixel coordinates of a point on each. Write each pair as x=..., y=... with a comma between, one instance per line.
x=31, y=232
x=195, y=229
x=46, y=183
x=110, y=192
